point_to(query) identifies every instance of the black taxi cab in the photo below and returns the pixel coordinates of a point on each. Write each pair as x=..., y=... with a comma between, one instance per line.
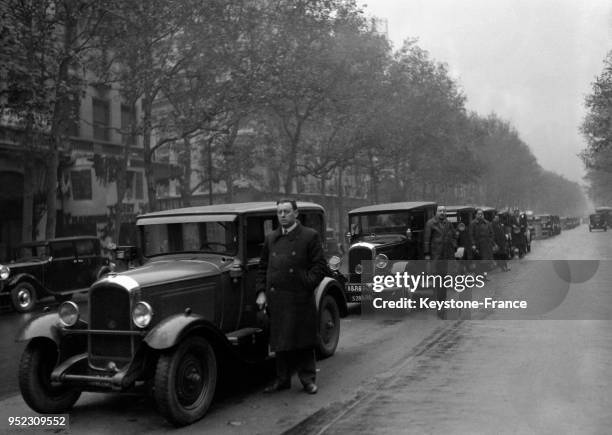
x=597, y=221
x=56, y=267
x=382, y=233
x=168, y=325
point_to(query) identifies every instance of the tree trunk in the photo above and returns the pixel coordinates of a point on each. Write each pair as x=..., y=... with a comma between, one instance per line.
x=51, y=190
x=230, y=161
x=186, y=184
x=147, y=109
x=341, y=212
x=27, y=210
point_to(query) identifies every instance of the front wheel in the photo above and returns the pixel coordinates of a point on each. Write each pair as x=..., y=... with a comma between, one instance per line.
x=329, y=327
x=37, y=362
x=185, y=381
x=23, y=297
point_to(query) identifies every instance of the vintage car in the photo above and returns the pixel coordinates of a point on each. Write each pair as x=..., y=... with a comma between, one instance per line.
x=56, y=267
x=382, y=233
x=168, y=326
x=607, y=212
x=546, y=224
x=457, y=214
x=556, y=224
x=461, y=216
x=597, y=221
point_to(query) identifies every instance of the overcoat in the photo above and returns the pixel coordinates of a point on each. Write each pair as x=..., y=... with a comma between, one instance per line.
x=440, y=239
x=291, y=267
x=481, y=234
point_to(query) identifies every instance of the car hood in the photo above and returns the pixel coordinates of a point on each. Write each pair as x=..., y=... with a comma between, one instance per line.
x=161, y=271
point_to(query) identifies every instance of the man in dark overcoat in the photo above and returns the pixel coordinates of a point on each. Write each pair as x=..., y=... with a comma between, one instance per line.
x=481, y=234
x=501, y=241
x=439, y=245
x=292, y=265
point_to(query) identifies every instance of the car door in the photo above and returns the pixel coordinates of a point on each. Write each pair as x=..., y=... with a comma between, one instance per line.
x=86, y=262
x=63, y=268
x=256, y=229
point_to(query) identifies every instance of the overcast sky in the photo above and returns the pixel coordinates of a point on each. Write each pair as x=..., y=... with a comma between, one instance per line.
x=530, y=61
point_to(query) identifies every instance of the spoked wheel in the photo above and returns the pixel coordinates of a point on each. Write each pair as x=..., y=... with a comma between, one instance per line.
x=23, y=297
x=185, y=381
x=37, y=362
x=329, y=327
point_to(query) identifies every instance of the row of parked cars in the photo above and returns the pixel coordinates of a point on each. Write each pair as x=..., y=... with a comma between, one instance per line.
x=167, y=325
x=601, y=219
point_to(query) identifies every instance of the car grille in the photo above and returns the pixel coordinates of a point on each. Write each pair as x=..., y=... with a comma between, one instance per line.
x=109, y=308
x=357, y=254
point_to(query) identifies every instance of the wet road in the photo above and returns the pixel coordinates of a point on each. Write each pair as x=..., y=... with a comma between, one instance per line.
x=419, y=374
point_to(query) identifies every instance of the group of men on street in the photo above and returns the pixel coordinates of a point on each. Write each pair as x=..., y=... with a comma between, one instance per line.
x=293, y=263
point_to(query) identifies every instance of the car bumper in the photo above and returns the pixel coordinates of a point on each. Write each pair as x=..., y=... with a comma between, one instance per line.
x=76, y=372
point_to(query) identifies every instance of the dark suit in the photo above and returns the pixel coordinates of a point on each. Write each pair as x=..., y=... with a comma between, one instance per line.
x=291, y=267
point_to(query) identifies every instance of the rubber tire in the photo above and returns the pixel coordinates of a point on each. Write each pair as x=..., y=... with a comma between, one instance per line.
x=23, y=286
x=328, y=311
x=37, y=362
x=192, y=350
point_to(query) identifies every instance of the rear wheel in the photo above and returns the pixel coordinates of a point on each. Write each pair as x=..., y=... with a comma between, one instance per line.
x=185, y=381
x=23, y=297
x=329, y=327
x=37, y=362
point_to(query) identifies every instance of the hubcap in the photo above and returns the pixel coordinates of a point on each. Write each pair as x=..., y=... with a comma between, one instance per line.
x=24, y=298
x=190, y=385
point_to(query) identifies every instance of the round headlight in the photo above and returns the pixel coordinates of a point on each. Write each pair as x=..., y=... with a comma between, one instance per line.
x=5, y=271
x=68, y=313
x=142, y=314
x=334, y=263
x=358, y=269
x=381, y=261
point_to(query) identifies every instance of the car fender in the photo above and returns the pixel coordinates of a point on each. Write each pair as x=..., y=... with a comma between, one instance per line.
x=24, y=277
x=171, y=331
x=332, y=287
x=46, y=325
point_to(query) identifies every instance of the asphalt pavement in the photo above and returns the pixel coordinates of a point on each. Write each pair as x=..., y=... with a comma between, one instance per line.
x=542, y=371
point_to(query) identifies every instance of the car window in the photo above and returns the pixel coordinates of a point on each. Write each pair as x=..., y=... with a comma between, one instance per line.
x=62, y=249
x=85, y=247
x=216, y=237
x=258, y=227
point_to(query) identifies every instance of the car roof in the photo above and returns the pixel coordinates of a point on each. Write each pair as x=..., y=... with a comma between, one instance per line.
x=56, y=239
x=453, y=208
x=484, y=208
x=231, y=208
x=392, y=206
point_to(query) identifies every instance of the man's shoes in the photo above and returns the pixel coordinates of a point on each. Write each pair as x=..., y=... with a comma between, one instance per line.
x=277, y=386
x=311, y=388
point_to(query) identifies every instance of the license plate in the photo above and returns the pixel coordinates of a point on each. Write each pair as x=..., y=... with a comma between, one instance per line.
x=353, y=288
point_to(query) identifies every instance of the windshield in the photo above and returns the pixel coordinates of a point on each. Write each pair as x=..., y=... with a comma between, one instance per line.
x=386, y=223
x=217, y=237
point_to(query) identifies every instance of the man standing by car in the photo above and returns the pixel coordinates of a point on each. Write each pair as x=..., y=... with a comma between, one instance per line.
x=292, y=265
x=439, y=245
